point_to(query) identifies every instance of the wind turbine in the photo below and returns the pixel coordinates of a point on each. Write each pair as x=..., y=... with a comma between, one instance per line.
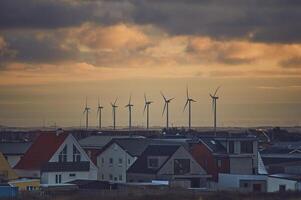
x=114, y=112
x=188, y=102
x=214, y=99
x=166, y=103
x=86, y=111
x=146, y=106
x=99, y=113
x=129, y=105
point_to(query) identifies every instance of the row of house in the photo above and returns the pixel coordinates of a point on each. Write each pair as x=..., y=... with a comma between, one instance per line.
x=210, y=163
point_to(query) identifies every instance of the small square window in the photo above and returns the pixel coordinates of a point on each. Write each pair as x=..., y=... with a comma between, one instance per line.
x=120, y=160
x=111, y=177
x=120, y=177
x=111, y=161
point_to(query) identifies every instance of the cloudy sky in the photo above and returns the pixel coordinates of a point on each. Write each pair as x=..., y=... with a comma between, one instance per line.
x=55, y=53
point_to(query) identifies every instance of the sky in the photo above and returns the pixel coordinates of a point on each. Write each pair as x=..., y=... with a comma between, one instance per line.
x=56, y=53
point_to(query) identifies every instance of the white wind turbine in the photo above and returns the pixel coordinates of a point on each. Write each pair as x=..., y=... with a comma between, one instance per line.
x=166, y=103
x=188, y=102
x=146, y=107
x=86, y=111
x=214, y=103
x=114, y=106
x=129, y=106
x=99, y=114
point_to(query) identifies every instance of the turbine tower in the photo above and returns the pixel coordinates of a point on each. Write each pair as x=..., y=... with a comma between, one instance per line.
x=86, y=111
x=129, y=106
x=99, y=114
x=214, y=101
x=114, y=106
x=188, y=102
x=166, y=103
x=146, y=106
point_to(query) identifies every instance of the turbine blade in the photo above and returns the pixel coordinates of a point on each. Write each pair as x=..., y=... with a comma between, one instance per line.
x=171, y=99
x=216, y=90
x=185, y=105
x=187, y=95
x=163, y=96
x=115, y=100
x=212, y=105
x=164, y=108
x=144, y=108
x=145, y=98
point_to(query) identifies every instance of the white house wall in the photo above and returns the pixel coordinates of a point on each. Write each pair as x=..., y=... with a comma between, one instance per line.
x=181, y=153
x=105, y=169
x=70, y=141
x=49, y=177
x=274, y=183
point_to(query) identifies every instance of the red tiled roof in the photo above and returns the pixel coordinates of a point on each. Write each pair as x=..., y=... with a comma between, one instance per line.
x=41, y=151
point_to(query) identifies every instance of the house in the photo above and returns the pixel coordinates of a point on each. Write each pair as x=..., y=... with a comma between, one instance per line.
x=117, y=156
x=229, y=155
x=95, y=143
x=13, y=151
x=56, y=158
x=284, y=182
x=242, y=183
x=25, y=184
x=168, y=162
x=6, y=172
x=8, y=191
x=283, y=158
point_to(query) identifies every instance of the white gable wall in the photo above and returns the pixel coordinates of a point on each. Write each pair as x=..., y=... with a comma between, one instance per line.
x=50, y=177
x=115, y=172
x=181, y=153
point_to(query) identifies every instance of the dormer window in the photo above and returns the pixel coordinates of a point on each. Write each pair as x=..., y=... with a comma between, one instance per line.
x=76, y=154
x=63, y=155
x=153, y=163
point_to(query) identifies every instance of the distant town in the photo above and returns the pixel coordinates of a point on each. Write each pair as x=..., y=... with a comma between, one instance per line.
x=231, y=159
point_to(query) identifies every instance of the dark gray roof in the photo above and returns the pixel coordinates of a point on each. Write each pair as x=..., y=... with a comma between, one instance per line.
x=275, y=150
x=140, y=165
x=14, y=148
x=134, y=146
x=213, y=145
x=277, y=161
x=99, y=141
x=293, y=177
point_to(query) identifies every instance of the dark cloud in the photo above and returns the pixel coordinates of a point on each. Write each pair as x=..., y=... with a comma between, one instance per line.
x=294, y=62
x=59, y=13
x=29, y=48
x=265, y=21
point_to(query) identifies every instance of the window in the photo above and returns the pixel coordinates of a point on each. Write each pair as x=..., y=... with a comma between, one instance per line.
x=102, y=160
x=153, y=163
x=231, y=146
x=120, y=177
x=76, y=154
x=282, y=188
x=102, y=176
x=58, y=178
x=246, y=147
x=115, y=178
x=120, y=161
x=72, y=175
x=181, y=166
x=129, y=161
x=111, y=161
x=63, y=155
x=219, y=163
x=111, y=177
